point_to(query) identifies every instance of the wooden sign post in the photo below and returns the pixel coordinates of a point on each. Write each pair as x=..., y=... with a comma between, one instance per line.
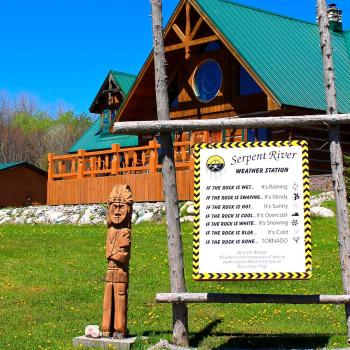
x=175, y=255
x=336, y=153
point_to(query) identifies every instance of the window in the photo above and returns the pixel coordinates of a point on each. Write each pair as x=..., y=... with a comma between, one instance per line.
x=261, y=134
x=247, y=84
x=207, y=80
x=173, y=92
x=105, y=122
x=213, y=46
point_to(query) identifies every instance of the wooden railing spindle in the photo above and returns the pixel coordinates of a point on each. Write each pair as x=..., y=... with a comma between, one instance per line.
x=73, y=166
x=134, y=160
x=183, y=153
x=92, y=166
x=153, y=160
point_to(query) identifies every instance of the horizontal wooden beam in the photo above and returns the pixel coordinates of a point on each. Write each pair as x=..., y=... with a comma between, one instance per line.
x=239, y=122
x=110, y=91
x=251, y=298
x=191, y=43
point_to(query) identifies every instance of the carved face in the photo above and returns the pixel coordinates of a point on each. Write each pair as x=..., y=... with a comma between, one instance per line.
x=118, y=212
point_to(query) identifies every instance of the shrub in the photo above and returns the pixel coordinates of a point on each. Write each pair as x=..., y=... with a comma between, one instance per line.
x=347, y=175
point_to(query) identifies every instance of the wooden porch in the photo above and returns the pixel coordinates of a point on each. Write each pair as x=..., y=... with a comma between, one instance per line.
x=87, y=177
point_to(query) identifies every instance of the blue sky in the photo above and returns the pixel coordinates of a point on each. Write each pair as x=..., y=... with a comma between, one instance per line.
x=61, y=51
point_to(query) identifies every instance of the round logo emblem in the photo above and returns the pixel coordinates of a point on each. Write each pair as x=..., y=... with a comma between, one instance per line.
x=215, y=164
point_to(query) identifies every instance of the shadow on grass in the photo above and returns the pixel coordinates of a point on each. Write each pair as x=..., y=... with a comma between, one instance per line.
x=196, y=338
x=240, y=341
x=268, y=341
x=259, y=341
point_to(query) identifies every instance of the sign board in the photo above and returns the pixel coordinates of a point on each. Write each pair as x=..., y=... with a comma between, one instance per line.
x=252, y=211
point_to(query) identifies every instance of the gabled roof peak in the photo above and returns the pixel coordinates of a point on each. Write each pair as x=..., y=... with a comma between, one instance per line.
x=112, y=71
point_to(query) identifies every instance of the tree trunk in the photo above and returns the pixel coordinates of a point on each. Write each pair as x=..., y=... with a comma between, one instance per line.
x=175, y=252
x=336, y=154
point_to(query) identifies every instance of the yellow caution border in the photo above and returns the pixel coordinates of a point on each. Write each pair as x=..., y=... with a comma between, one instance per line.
x=307, y=222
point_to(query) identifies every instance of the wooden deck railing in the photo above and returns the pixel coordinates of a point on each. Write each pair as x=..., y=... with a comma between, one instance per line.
x=116, y=161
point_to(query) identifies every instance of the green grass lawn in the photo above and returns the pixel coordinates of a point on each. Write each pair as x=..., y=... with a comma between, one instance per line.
x=52, y=281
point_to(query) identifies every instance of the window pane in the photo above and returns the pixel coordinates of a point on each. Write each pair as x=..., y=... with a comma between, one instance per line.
x=247, y=85
x=207, y=80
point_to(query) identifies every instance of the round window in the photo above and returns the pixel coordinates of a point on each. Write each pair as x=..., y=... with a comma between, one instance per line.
x=207, y=80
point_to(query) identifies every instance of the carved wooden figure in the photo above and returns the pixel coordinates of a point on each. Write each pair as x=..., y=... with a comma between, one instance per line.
x=115, y=302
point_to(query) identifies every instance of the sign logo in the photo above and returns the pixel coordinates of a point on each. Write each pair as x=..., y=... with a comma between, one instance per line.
x=215, y=163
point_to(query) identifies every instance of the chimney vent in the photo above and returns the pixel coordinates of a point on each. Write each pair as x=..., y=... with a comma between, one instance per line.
x=335, y=17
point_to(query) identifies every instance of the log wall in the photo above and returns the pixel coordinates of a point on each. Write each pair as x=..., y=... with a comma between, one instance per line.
x=22, y=186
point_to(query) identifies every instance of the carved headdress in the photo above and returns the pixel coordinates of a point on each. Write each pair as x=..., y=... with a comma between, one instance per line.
x=121, y=193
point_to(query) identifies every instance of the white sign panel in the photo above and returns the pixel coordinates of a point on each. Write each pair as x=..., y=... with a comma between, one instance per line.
x=252, y=211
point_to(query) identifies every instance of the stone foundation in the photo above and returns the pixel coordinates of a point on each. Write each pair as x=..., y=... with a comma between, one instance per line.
x=321, y=183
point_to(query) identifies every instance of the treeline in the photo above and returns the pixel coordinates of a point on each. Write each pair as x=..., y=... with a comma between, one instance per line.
x=28, y=133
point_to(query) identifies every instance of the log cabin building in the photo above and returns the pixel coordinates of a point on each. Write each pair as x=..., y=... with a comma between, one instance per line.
x=224, y=59
x=22, y=184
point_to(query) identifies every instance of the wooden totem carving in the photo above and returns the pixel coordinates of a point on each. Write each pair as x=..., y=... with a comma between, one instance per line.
x=115, y=302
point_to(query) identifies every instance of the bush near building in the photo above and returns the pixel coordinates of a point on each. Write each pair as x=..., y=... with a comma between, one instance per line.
x=347, y=175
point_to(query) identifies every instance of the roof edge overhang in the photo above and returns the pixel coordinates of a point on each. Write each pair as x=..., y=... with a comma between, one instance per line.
x=28, y=165
x=91, y=108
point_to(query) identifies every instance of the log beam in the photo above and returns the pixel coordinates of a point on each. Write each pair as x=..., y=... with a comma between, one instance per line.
x=188, y=31
x=196, y=28
x=251, y=298
x=241, y=122
x=195, y=42
x=179, y=32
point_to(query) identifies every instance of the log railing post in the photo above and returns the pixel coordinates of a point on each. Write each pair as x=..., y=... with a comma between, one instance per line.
x=336, y=153
x=81, y=164
x=50, y=167
x=115, y=159
x=153, y=160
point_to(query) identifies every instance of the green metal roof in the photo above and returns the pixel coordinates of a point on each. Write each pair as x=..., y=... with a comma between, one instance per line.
x=93, y=140
x=347, y=40
x=4, y=166
x=123, y=80
x=9, y=165
x=283, y=52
